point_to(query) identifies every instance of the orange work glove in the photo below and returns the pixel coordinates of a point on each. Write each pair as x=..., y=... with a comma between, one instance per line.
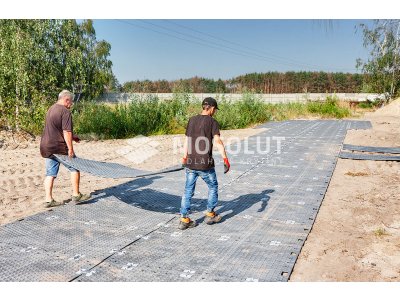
x=184, y=161
x=227, y=165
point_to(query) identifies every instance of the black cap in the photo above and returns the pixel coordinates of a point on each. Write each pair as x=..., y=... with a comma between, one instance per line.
x=210, y=101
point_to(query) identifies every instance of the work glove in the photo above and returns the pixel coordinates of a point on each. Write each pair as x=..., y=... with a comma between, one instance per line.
x=184, y=162
x=227, y=165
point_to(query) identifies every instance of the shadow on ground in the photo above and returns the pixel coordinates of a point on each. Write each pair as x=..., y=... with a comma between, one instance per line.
x=136, y=194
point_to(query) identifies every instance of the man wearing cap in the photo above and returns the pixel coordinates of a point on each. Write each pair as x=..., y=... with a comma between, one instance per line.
x=201, y=131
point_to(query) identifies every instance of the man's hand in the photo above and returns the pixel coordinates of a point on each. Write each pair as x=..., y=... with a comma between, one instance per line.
x=184, y=161
x=227, y=165
x=221, y=149
x=68, y=140
x=75, y=138
x=71, y=153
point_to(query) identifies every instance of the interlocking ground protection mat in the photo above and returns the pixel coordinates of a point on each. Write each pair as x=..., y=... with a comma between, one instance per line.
x=109, y=170
x=268, y=201
x=392, y=150
x=362, y=156
x=357, y=156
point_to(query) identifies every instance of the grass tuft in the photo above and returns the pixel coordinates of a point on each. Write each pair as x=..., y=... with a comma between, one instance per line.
x=152, y=116
x=379, y=232
x=349, y=173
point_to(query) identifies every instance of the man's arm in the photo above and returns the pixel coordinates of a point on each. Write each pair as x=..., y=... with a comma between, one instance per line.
x=185, y=151
x=68, y=140
x=220, y=145
x=221, y=149
x=66, y=125
x=186, y=143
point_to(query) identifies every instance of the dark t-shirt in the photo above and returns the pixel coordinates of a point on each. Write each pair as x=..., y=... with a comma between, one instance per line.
x=58, y=118
x=200, y=132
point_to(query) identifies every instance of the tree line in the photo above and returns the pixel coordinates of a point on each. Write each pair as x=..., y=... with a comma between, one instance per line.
x=380, y=73
x=270, y=82
x=39, y=58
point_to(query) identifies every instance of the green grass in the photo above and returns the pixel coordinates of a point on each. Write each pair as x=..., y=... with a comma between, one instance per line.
x=146, y=117
x=366, y=105
x=152, y=116
x=329, y=108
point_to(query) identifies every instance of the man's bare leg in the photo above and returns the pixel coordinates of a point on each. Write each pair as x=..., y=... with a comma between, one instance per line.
x=48, y=187
x=75, y=180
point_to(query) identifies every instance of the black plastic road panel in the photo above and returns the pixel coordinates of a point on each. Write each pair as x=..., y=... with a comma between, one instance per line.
x=356, y=156
x=392, y=150
x=109, y=170
x=268, y=203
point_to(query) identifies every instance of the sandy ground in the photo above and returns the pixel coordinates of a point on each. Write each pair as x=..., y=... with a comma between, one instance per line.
x=356, y=235
x=22, y=167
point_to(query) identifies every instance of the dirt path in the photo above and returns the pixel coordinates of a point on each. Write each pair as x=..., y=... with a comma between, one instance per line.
x=356, y=236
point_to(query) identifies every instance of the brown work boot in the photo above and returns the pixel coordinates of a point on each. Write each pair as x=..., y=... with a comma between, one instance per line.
x=52, y=203
x=186, y=223
x=80, y=198
x=212, y=217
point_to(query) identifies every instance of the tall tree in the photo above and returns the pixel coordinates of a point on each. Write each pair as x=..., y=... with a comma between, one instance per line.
x=383, y=65
x=38, y=58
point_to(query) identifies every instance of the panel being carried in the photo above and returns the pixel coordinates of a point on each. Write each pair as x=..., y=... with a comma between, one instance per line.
x=109, y=170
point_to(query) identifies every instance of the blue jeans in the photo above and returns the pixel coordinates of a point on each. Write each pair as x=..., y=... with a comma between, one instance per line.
x=210, y=178
x=53, y=165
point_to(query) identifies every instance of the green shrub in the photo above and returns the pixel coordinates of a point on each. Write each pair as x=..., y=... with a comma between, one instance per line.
x=240, y=114
x=152, y=116
x=366, y=105
x=328, y=109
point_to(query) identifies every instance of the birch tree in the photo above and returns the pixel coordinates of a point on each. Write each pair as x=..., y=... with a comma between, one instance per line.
x=383, y=66
x=39, y=58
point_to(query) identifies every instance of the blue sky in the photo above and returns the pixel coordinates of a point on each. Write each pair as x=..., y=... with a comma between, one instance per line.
x=173, y=49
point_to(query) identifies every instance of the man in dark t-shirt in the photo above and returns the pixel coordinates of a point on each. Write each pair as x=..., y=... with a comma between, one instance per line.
x=57, y=138
x=201, y=131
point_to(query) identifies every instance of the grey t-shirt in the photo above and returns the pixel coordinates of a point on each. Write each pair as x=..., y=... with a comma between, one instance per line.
x=58, y=118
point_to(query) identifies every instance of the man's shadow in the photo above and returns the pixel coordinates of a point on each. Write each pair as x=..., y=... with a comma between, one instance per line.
x=136, y=194
x=231, y=208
